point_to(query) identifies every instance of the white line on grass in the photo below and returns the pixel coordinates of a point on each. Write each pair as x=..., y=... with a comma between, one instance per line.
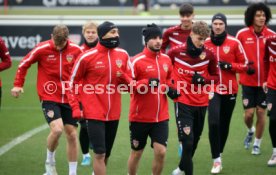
x=21, y=139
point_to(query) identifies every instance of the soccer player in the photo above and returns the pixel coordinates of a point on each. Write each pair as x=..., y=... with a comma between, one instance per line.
x=178, y=34
x=55, y=58
x=89, y=31
x=231, y=60
x=270, y=87
x=98, y=69
x=149, y=115
x=5, y=62
x=194, y=67
x=253, y=38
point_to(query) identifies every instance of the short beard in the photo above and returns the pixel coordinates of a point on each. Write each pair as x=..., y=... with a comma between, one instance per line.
x=154, y=50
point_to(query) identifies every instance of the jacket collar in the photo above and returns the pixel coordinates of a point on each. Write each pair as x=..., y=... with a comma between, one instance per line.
x=101, y=48
x=52, y=45
x=251, y=28
x=150, y=54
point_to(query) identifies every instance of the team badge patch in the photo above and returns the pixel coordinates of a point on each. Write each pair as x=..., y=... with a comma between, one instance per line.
x=202, y=55
x=226, y=49
x=135, y=143
x=50, y=113
x=187, y=130
x=69, y=58
x=211, y=95
x=165, y=67
x=119, y=63
x=269, y=106
x=245, y=102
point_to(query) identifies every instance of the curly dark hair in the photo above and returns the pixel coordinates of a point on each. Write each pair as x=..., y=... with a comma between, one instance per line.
x=250, y=12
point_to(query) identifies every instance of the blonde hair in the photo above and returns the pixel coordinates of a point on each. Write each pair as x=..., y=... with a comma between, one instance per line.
x=89, y=24
x=201, y=28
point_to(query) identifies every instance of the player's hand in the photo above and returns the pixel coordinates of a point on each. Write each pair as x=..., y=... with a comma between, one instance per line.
x=265, y=87
x=77, y=113
x=250, y=69
x=225, y=65
x=198, y=79
x=173, y=93
x=16, y=91
x=153, y=82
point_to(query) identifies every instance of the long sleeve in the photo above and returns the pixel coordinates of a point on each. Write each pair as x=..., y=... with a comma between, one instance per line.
x=4, y=56
x=165, y=42
x=24, y=65
x=213, y=71
x=241, y=61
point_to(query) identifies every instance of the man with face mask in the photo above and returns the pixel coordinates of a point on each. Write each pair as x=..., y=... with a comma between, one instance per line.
x=149, y=115
x=194, y=66
x=98, y=69
x=231, y=60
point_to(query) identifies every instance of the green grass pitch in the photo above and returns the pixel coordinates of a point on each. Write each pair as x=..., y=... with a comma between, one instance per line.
x=17, y=116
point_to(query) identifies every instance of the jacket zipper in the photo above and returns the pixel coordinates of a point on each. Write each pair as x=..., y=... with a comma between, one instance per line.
x=258, y=58
x=109, y=102
x=158, y=95
x=60, y=75
x=220, y=75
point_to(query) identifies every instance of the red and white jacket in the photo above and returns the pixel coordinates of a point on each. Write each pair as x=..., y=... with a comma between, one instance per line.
x=270, y=62
x=230, y=51
x=254, y=47
x=174, y=36
x=184, y=67
x=151, y=106
x=84, y=47
x=5, y=58
x=97, y=70
x=54, y=68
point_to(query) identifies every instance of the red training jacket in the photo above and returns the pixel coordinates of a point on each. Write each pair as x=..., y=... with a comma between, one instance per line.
x=270, y=62
x=54, y=68
x=151, y=106
x=184, y=67
x=230, y=51
x=254, y=47
x=97, y=70
x=5, y=58
x=174, y=36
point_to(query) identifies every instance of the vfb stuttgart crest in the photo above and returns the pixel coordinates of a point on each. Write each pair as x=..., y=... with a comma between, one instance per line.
x=119, y=63
x=135, y=143
x=245, y=102
x=187, y=130
x=269, y=106
x=165, y=67
x=226, y=49
x=69, y=58
x=202, y=55
x=50, y=113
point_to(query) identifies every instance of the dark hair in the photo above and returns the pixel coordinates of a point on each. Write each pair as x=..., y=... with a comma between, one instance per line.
x=186, y=9
x=250, y=12
x=60, y=34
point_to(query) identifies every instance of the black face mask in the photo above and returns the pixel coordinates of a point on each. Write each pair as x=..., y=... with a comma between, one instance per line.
x=218, y=39
x=110, y=42
x=192, y=50
x=91, y=45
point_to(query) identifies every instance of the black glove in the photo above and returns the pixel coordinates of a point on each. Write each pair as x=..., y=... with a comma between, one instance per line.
x=198, y=79
x=225, y=65
x=250, y=70
x=153, y=82
x=173, y=93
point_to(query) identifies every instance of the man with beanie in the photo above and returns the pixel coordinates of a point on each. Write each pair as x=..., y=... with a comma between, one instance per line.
x=98, y=69
x=253, y=38
x=149, y=115
x=231, y=60
x=194, y=66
